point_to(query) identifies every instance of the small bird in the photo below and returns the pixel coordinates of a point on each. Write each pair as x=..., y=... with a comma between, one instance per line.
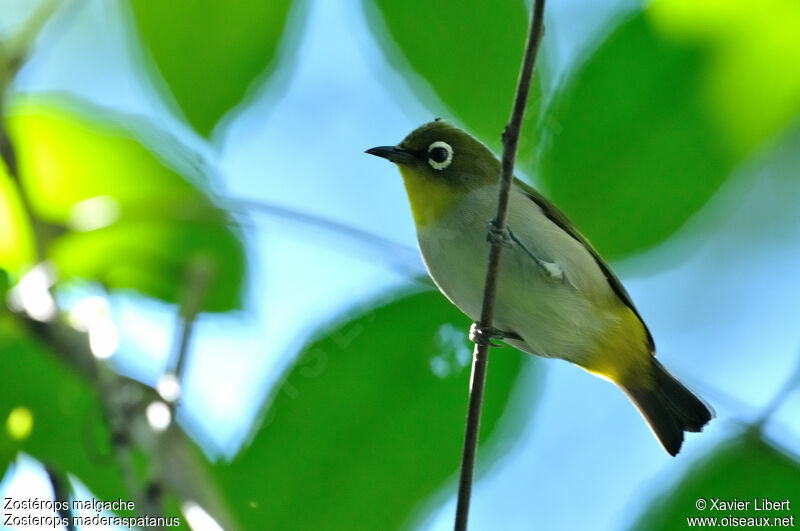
x=556, y=297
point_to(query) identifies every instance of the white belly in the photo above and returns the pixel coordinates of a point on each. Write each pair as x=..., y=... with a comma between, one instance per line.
x=555, y=318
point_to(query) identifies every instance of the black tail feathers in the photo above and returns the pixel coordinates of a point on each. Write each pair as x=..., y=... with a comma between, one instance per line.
x=669, y=408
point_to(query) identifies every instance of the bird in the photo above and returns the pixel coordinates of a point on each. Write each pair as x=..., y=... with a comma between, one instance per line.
x=556, y=297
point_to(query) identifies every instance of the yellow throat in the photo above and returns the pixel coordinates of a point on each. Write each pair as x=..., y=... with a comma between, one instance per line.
x=430, y=198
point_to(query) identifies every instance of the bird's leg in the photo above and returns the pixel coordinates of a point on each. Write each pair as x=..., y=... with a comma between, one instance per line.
x=483, y=335
x=495, y=235
x=550, y=270
x=507, y=238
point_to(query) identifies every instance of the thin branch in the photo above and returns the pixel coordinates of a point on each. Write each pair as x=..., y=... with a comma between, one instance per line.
x=13, y=52
x=481, y=352
x=789, y=387
x=61, y=494
x=401, y=258
x=40, y=230
x=7, y=152
x=18, y=46
x=184, y=329
x=198, y=281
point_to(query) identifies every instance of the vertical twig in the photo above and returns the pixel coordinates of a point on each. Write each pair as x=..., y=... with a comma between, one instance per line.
x=184, y=328
x=197, y=283
x=481, y=352
x=61, y=494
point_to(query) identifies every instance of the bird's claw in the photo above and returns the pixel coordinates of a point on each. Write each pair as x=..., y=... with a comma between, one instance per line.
x=499, y=236
x=552, y=270
x=483, y=335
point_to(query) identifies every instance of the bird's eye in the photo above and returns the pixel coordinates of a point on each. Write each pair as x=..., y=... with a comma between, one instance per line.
x=440, y=155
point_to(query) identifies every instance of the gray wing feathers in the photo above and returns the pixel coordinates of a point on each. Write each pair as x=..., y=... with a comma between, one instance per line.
x=559, y=218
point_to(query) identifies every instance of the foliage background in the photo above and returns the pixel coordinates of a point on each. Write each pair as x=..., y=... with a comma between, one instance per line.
x=325, y=384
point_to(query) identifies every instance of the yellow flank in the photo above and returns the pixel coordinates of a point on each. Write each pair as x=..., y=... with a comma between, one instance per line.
x=621, y=354
x=430, y=198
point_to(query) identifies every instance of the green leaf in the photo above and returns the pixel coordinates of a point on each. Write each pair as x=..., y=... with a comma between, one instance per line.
x=137, y=223
x=745, y=468
x=55, y=414
x=634, y=153
x=210, y=53
x=16, y=242
x=368, y=424
x=51, y=413
x=750, y=87
x=468, y=51
x=5, y=284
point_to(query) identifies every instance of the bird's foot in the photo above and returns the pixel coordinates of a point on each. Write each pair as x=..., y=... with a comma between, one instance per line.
x=552, y=270
x=500, y=236
x=483, y=335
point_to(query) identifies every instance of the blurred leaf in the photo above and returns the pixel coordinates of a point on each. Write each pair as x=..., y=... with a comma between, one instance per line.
x=16, y=244
x=210, y=53
x=6, y=453
x=633, y=152
x=751, y=87
x=188, y=476
x=378, y=403
x=63, y=425
x=745, y=468
x=5, y=464
x=5, y=283
x=68, y=431
x=137, y=223
x=469, y=52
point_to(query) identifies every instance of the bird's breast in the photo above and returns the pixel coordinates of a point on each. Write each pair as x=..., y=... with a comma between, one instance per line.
x=556, y=318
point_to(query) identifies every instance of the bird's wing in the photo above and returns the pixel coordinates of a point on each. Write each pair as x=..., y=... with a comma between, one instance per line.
x=559, y=218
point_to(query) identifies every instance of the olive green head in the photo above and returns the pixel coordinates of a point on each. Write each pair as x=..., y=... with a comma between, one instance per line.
x=441, y=152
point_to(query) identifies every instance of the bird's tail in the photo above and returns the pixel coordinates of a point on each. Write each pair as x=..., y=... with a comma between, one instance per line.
x=669, y=408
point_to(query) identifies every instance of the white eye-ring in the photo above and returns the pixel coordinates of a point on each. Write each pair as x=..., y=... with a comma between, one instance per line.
x=440, y=155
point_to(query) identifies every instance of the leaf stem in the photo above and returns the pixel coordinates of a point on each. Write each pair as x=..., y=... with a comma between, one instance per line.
x=481, y=352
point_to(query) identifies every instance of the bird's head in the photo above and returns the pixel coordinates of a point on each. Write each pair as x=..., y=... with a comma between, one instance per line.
x=444, y=154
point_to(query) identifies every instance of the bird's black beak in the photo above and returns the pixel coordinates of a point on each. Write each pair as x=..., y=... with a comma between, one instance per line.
x=393, y=153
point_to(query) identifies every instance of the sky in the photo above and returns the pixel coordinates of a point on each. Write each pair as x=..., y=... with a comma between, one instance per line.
x=299, y=144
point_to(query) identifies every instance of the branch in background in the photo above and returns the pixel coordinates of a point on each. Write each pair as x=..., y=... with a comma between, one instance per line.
x=481, y=352
x=791, y=385
x=61, y=494
x=70, y=344
x=7, y=150
x=184, y=329
x=400, y=258
x=18, y=46
x=177, y=466
x=120, y=413
x=10, y=157
x=198, y=279
x=13, y=53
